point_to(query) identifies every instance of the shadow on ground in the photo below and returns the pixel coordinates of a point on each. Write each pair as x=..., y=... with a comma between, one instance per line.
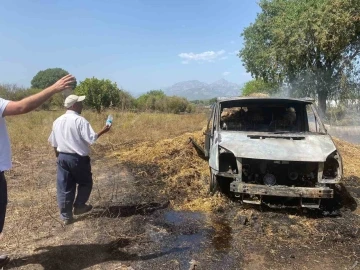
x=84, y=256
x=344, y=196
x=117, y=211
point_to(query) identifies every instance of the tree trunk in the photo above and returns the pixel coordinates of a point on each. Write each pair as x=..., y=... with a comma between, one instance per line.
x=322, y=97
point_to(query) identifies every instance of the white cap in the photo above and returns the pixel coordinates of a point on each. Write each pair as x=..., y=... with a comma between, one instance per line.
x=72, y=99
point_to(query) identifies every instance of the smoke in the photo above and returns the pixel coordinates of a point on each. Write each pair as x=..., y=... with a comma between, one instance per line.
x=342, y=118
x=283, y=92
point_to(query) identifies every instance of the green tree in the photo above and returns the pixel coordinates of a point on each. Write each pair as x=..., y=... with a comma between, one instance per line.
x=47, y=77
x=177, y=104
x=204, y=102
x=126, y=101
x=156, y=100
x=259, y=86
x=152, y=100
x=211, y=101
x=307, y=44
x=99, y=94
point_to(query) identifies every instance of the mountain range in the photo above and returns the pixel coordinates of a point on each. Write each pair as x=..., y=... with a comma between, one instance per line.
x=196, y=90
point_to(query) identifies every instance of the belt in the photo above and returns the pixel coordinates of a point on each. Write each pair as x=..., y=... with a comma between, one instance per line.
x=73, y=154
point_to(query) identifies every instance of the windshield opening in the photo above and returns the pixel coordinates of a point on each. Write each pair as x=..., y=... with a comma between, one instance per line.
x=271, y=117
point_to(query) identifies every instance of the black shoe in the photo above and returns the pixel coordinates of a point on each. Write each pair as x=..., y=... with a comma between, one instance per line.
x=68, y=221
x=4, y=260
x=82, y=210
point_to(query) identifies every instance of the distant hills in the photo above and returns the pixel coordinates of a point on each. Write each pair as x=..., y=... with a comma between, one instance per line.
x=196, y=90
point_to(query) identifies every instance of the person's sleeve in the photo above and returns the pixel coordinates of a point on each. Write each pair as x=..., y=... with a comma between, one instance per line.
x=3, y=104
x=52, y=139
x=87, y=132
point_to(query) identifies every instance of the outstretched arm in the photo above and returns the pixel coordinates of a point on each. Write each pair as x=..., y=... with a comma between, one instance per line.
x=103, y=131
x=88, y=134
x=32, y=102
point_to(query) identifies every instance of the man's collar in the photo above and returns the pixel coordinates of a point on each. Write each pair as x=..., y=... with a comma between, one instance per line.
x=72, y=112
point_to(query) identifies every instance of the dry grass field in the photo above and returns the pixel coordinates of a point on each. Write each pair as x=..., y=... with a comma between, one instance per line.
x=348, y=133
x=152, y=210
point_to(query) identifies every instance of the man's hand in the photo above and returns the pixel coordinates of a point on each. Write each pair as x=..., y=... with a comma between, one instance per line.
x=64, y=83
x=104, y=130
x=32, y=102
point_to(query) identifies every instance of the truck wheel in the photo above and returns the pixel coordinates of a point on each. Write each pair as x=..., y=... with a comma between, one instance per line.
x=214, y=184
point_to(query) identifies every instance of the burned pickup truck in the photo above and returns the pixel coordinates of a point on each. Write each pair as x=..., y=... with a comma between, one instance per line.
x=261, y=149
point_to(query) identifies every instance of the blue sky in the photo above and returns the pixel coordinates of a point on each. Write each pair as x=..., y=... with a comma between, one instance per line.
x=140, y=44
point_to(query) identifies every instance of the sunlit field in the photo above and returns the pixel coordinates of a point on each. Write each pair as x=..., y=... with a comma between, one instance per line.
x=144, y=168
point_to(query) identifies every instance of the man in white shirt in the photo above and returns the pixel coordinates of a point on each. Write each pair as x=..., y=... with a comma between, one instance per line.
x=8, y=108
x=71, y=138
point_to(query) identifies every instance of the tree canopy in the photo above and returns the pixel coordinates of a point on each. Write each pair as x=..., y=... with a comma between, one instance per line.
x=259, y=86
x=156, y=100
x=102, y=94
x=44, y=79
x=311, y=45
x=47, y=77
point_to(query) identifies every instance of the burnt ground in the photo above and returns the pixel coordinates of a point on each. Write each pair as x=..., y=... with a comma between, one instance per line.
x=134, y=226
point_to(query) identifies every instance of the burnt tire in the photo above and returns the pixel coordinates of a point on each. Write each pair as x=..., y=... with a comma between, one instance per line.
x=214, y=184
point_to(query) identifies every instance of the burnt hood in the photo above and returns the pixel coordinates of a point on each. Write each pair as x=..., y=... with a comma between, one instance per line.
x=285, y=147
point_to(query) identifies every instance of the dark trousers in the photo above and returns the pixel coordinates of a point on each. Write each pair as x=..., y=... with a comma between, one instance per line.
x=3, y=200
x=73, y=173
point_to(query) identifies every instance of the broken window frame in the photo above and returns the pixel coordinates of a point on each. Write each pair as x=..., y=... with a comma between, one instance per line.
x=319, y=126
x=210, y=130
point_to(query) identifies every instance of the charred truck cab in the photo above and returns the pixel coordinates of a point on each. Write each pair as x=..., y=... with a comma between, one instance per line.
x=265, y=148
